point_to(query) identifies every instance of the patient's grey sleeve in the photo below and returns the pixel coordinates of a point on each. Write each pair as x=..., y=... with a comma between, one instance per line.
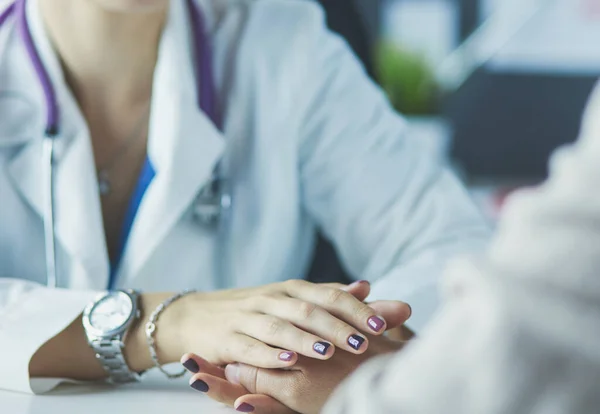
x=519, y=331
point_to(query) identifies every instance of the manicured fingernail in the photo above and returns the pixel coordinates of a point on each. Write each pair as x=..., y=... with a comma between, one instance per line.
x=356, y=341
x=376, y=323
x=286, y=356
x=191, y=366
x=245, y=408
x=359, y=282
x=321, y=347
x=409, y=310
x=199, y=385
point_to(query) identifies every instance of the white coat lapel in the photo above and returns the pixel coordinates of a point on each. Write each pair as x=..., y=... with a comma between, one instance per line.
x=78, y=224
x=78, y=217
x=184, y=146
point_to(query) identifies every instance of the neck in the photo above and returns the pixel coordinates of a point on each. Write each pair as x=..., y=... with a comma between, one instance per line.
x=108, y=57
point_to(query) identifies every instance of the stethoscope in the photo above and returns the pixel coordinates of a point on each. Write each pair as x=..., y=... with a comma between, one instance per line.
x=212, y=202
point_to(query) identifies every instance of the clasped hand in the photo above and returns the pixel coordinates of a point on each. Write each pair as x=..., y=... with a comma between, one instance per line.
x=302, y=384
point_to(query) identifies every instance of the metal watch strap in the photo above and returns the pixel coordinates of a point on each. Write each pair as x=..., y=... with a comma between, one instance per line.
x=110, y=355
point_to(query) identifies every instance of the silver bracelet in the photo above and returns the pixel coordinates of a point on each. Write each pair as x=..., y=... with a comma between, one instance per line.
x=151, y=328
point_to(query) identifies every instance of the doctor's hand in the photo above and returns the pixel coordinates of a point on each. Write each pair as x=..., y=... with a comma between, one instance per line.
x=269, y=326
x=277, y=391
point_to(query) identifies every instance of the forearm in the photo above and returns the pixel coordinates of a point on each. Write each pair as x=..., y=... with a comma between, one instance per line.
x=68, y=354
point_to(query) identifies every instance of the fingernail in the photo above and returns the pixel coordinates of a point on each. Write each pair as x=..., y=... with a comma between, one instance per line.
x=232, y=373
x=245, y=408
x=376, y=323
x=409, y=310
x=199, y=385
x=359, y=282
x=191, y=366
x=356, y=341
x=321, y=347
x=286, y=356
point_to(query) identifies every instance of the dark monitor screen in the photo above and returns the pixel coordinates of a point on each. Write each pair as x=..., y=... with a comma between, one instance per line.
x=507, y=123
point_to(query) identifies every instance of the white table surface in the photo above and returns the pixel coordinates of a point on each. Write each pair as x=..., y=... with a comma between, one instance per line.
x=155, y=395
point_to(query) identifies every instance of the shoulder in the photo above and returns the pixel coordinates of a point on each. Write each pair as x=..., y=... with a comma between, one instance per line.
x=275, y=11
x=287, y=14
x=272, y=23
x=282, y=39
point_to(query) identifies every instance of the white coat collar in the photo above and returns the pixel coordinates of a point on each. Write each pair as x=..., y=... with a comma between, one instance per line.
x=183, y=146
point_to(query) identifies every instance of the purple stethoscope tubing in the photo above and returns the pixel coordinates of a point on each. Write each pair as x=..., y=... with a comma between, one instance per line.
x=206, y=99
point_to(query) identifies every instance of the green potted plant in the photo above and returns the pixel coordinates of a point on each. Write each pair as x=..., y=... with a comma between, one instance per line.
x=407, y=79
x=412, y=88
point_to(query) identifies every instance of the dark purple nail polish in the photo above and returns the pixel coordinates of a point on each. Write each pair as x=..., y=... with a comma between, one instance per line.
x=376, y=323
x=286, y=356
x=321, y=347
x=356, y=341
x=199, y=385
x=245, y=408
x=191, y=366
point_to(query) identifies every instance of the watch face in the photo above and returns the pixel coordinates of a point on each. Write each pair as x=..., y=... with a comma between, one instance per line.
x=111, y=312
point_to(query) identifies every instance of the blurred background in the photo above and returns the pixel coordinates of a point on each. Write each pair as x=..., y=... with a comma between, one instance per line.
x=494, y=86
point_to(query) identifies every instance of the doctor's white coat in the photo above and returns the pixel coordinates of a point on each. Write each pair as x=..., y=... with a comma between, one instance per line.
x=309, y=142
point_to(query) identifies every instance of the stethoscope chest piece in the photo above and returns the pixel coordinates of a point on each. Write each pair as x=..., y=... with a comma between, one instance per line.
x=213, y=202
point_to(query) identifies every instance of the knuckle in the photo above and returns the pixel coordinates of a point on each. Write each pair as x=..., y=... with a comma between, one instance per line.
x=306, y=309
x=341, y=331
x=250, y=380
x=273, y=326
x=261, y=302
x=307, y=342
x=334, y=296
x=217, y=393
x=294, y=284
x=252, y=302
x=363, y=312
x=289, y=283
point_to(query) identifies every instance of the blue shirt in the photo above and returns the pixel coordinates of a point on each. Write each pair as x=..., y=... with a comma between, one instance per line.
x=146, y=176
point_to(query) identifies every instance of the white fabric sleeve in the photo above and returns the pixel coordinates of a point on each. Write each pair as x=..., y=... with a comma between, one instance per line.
x=393, y=210
x=519, y=331
x=30, y=315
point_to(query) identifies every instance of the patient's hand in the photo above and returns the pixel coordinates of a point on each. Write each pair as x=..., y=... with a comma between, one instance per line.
x=303, y=388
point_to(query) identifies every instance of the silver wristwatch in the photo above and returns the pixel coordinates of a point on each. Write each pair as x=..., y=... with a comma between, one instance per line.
x=106, y=322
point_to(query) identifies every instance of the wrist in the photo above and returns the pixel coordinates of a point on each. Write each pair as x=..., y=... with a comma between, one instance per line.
x=171, y=330
x=137, y=353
